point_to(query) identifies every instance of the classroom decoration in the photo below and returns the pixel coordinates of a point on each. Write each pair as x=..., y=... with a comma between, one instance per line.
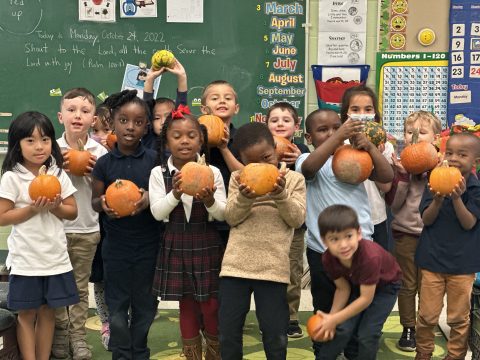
x=138, y=8
x=196, y=176
x=418, y=157
x=258, y=47
x=375, y=133
x=121, y=196
x=443, y=179
x=162, y=58
x=393, y=24
x=96, y=10
x=260, y=177
x=78, y=160
x=464, y=69
x=215, y=128
x=350, y=165
x=332, y=81
x=408, y=82
x=44, y=185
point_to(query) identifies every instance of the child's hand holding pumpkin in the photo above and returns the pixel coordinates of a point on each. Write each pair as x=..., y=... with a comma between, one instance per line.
x=348, y=130
x=246, y=190
x=206, y=196
x=141, y=204
x=279, y=185
x=109, y=211
x=460, y=188
x=177, y=185
x=291, y=156
x=91, y=164
x=226, y=137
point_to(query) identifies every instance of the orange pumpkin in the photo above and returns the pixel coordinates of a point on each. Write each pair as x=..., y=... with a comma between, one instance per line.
x=78, y=160
x=215, y=129
x=444, y=178
x=418, y=157
x=111, y=140
x=350, y=165
x=44, y=185
x=260, y=177
x=313, y=324
x=282, y=146
x=195, y=177
x=121, y=196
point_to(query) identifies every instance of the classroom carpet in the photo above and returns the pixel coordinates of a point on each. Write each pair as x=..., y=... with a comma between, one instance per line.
x=165, y=343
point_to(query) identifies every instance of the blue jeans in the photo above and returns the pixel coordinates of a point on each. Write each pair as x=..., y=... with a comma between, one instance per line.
x=366, y=328
x=272, y=314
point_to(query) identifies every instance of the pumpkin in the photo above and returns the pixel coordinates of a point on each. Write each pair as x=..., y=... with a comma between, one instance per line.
x=162, y=58
x=350, y=165
x=121, y=196
x=78, y=160
x=444, y=178
x=260, y=177
x=375, y=133
x=111, y=140
x=418, y=157
x=196, y=176
x=215, y=129
x=313, y=324
x=44, y=185
x=282, y=146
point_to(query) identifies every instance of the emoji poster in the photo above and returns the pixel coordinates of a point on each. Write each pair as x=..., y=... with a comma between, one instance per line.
x=96, y=10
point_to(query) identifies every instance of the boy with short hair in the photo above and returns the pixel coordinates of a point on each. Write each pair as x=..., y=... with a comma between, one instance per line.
x=447, y=253
x=77, y=111
x=367, y=279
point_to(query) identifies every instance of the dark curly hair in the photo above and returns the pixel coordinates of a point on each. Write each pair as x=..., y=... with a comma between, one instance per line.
x=251, y=134
x=117, y=100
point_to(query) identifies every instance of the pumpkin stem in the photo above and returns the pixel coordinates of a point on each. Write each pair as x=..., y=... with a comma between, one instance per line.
x=201, y=160
x=118, y=183
x=415, y=136
x=42, y=170
x=283, y=166
x=81, y=147
x=444, y=163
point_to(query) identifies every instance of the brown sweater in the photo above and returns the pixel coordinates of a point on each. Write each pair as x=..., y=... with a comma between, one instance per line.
x=262, y=230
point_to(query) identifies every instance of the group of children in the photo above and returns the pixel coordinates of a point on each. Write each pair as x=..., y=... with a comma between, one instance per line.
x=212, y=251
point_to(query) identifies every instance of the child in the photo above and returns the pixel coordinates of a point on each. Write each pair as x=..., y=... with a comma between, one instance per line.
x=404, y=199
x=326, y=133
x=362, y=101
x=367, y=279
x=220, y=99
x=447, y=253
x=191, y=251
x=101, y=126
x=163, y=106
x=77, y=114
x=130, y=245
x=41, y=277
x=257, y=255
x=282, y=120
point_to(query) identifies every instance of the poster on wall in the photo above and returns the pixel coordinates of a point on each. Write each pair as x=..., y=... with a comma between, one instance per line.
x=464, y=69
x=342, y=32
x=393, y=25
x=411, y=81
x=138, y=8
x=96, y=10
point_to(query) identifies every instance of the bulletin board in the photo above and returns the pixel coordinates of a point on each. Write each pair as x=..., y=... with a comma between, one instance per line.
x=408, y=82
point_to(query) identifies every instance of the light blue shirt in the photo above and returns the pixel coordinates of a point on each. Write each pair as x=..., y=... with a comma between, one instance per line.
x=324, y=190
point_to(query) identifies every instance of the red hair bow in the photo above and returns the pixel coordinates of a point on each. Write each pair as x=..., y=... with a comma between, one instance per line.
x=181, y=110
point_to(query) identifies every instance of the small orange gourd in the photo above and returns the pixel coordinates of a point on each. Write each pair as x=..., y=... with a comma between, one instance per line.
x=111, y=140
x=444, y=178
x=78, y=160
x=418, y=157
x=121, y=196
x=44, y=185
x=313, y=324
x=196, y=176
x=282, y=146
x=350, y=165
x=260, y=177
x=215, y=128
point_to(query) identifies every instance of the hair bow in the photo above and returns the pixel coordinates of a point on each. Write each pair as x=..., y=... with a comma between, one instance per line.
x=180, y=112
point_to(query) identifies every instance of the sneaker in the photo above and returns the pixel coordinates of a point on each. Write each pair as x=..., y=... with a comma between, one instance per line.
x=294, y=331
x=105, y=334
x=407, y=340
x=80, y=350
x=60, y=349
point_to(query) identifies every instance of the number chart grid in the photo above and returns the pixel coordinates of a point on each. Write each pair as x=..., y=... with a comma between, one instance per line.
x=405, y=87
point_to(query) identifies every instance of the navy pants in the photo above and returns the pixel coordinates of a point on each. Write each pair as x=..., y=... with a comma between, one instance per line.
x=128, y=286
x=366, y=328
x=272, y=314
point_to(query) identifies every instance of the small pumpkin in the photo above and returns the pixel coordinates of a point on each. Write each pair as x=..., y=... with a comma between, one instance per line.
x=196, y=176
x=444, y=178
x=78, y=160
x=418, y=157
x=313, y=324
x=260, y=177
x=375, y=133
x=111, y=140
x=44, y=185
x=121, y=196
x=215, y=129
x=350, y=165
x=162, y=58
x=282, y=146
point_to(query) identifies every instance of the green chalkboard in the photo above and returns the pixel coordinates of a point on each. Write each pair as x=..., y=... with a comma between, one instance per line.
x=257, y=46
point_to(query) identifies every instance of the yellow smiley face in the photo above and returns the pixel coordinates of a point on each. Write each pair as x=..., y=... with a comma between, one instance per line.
x=398, y=23
x=426, y=37
x=397, y=41
x=400, y=6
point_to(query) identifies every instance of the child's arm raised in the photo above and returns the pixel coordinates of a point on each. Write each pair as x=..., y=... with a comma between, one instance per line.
x=238, y=205
x=232, y=163
x=320, y=155
x=466, y=218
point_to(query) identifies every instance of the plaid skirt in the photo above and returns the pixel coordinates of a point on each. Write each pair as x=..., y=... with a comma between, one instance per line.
x=188, y=262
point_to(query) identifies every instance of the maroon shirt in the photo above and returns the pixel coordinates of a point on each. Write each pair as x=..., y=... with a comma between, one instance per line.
x=371, y=265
